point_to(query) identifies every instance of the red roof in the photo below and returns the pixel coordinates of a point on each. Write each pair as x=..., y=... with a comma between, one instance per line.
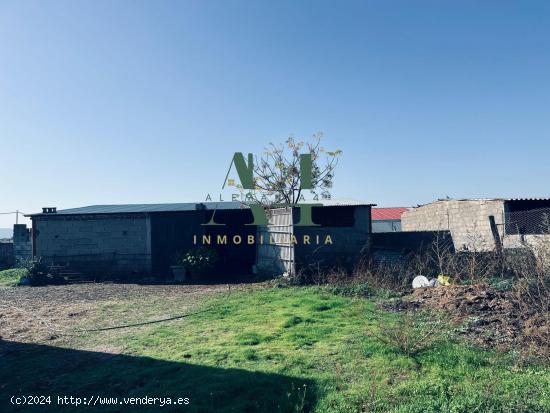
x=381, y=214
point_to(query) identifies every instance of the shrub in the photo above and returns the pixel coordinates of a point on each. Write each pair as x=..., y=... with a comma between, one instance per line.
x=250, y=354
x=531, y=296
x=249, y=339
x=12, y=277
x=199, y=260
x=292, y=321
x=411, y=333
x=37, y=273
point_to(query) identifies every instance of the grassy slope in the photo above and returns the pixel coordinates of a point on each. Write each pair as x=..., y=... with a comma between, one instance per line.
x=287, y=350
x=10, y=278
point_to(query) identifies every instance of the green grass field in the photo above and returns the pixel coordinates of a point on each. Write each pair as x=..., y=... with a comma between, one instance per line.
x=277, y=349
x=10, y=278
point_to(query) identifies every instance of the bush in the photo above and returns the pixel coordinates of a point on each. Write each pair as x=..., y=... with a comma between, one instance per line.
x=292, y=321
x=12, y=277
x=531, y=296
x=411, y=333
x=199, y=260
x=37, y=273
x=249, y=339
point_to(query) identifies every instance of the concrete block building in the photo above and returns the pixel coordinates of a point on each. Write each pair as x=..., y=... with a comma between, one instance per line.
x=131, y=239
x=144, y=238
x=481, y=224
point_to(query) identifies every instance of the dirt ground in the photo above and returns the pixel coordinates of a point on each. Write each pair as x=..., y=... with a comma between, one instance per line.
x=51, y=314
x=46, y=314
x=485, y=315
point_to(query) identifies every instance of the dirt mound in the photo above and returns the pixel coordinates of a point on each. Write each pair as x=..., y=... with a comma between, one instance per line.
x=489, y=317
x=469, y=299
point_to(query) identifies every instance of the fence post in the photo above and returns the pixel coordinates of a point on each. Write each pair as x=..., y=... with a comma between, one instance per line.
x=496, y=235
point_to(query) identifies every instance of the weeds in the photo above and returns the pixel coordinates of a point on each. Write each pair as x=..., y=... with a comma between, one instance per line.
x=412, y=333
x=12, y=277
x=521, y=275
x=292, y=321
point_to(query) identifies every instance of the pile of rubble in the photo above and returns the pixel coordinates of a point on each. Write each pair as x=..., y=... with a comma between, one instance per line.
x=487, y=316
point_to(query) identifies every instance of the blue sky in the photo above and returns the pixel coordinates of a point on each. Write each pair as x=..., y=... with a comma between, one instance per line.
x=129, y=101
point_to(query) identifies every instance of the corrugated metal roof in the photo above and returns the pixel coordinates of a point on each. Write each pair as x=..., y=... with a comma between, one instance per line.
x=483, y=199
x=382, y=214
x=339, y=202
x=528, y=199
x=141, y=208
x=491, y=199
x=178, y=207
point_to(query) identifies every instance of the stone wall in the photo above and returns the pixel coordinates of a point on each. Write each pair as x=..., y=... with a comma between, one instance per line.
x=538, y=243
x=22, y=243
x=93, y=243
x=467, y=220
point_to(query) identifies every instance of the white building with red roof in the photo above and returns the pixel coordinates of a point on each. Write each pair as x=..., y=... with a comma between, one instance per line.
x=387, y=219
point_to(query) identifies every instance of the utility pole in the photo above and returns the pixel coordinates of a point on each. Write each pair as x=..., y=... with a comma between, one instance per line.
x=16, y=217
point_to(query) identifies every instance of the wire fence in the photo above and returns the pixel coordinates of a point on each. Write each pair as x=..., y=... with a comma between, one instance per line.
x=531, y=222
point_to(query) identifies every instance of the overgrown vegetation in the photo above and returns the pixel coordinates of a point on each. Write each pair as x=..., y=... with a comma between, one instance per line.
x=411, y=333
x=29, y=272
x=512, y=284
x=199, y=260
x=12, y=277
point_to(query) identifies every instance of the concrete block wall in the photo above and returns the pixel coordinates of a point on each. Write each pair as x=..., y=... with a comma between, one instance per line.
x=467, y=220
x=22, y=243
x=537, y=242
x=116, y=244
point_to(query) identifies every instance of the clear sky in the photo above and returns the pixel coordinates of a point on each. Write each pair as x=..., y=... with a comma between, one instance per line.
x=133, y=101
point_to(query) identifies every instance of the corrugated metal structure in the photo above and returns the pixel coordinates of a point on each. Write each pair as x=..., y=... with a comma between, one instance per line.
x=7, y=257
x=384, y=214
x=140, y=208
x=275, y=250
x=342, y=234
